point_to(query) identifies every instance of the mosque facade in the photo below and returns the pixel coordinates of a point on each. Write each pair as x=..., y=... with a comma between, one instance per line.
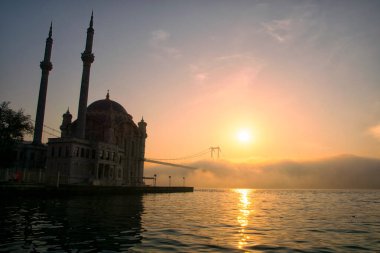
x=103, y=146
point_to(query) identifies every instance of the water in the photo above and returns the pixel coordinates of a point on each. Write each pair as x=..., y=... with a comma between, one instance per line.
x=203, y=221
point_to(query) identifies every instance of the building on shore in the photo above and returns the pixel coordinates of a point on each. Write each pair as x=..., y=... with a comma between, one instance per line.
x=112, y=152
x=103, y=146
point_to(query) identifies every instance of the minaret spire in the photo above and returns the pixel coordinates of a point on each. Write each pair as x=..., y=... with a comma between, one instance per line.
x=46, y=66
x=51, y=29
x=92, y=19
x=88, y=59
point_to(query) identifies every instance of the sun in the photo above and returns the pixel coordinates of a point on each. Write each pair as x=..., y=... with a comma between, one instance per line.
x=244, y=136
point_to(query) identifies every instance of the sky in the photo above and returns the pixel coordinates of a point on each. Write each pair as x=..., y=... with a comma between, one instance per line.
x=300, y=77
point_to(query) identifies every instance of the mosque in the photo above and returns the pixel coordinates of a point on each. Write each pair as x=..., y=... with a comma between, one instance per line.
x=103, y=146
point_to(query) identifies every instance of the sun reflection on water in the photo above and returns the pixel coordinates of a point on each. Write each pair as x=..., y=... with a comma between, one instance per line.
x=243, y=215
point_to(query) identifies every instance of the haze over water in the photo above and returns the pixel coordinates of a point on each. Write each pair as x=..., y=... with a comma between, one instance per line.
x=228, y=220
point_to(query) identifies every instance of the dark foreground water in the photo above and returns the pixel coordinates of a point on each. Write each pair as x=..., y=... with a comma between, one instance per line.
x=203, y=221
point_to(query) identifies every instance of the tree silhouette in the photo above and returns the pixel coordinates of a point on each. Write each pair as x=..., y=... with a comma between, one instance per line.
x=13, y=126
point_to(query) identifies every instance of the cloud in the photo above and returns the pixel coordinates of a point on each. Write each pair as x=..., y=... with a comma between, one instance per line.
x=280, y=30
x=224, y=66
x=235, y=56
x=201, y=76
x=375, y=131
x=159, y=41
x=338, y=172
x=159, y=36
x=173, y=52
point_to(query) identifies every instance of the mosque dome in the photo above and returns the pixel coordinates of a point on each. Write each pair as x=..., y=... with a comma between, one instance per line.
x=107, y=106
x=108, y=121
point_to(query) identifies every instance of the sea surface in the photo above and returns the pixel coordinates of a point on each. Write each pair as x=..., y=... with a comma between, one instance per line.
x=207, y=220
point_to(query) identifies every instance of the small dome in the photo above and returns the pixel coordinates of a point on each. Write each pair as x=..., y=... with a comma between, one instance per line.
x=106, y=105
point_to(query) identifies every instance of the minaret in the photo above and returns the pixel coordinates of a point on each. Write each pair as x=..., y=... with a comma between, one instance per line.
x=88, y=59
x=45, y=66
x=142, y=129
x=66, y=124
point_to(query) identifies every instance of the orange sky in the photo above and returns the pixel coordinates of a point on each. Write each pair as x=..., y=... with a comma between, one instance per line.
x=301, y=77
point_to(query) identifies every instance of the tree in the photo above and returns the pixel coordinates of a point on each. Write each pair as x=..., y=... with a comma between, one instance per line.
x=13, y=126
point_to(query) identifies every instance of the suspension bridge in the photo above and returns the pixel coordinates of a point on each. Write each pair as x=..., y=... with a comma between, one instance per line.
x=51, y=132
x=167, y=161
x=174, y=162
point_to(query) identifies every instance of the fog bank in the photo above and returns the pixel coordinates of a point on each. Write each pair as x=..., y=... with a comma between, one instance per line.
x=346, y=171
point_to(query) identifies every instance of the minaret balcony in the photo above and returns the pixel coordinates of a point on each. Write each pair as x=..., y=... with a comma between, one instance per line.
x=88, y=57
x=44, y=65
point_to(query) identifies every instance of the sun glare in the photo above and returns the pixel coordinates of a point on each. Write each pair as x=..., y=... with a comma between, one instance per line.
x=244, y=136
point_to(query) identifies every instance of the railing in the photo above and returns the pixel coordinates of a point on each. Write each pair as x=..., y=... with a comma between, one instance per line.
x=22, y=175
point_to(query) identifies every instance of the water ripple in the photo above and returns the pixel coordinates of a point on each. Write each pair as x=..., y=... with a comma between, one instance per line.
x=208, y=220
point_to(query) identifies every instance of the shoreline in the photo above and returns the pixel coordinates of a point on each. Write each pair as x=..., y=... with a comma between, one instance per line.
x=24, y=189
